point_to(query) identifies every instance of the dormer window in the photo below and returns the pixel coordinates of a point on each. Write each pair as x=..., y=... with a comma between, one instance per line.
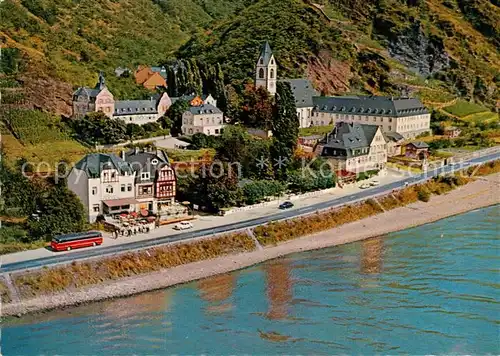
x=154, y=161
x=145, y=176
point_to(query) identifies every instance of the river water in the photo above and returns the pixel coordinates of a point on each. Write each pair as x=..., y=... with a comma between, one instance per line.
x=432, y=289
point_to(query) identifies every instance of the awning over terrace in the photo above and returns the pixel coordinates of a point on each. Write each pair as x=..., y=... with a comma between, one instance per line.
x=120, y=202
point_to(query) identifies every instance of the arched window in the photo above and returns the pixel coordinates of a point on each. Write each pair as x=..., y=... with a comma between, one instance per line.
x=262, y=61
x=271, y=75
x=261, y=73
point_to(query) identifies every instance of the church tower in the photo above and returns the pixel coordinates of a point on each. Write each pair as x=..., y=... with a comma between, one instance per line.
x=266, y=70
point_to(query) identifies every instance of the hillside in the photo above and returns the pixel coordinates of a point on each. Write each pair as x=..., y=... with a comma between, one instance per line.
x=438, y=49
x=435, y=49
x=65, y=43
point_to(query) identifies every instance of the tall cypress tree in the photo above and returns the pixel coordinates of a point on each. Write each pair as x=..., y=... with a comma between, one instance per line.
x=220, y=92
x=285, y=127
x=196, y=82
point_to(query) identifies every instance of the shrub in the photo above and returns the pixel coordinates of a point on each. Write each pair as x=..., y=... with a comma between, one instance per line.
x=424, y=195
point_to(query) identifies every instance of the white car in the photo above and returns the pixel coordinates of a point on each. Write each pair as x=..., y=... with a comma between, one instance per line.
x=364, y=186
x=374, y=183
x=183, y=225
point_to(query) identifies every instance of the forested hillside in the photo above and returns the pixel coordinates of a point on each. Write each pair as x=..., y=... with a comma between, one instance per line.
x=435, y=49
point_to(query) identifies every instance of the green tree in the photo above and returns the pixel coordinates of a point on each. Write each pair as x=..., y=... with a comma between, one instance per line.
x=10, y=61
x=200, y=140
x=234, y=144
x=285, y=127
x=257, y=109
x=135, y=131
x=165, y=122
x=151, y=127
x=216, y=187
x=60, y=212
x=98, y=128
x=18, y=193
x=174, y=114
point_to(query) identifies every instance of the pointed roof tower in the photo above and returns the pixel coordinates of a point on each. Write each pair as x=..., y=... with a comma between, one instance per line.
x=266, y=53
x=101, y=84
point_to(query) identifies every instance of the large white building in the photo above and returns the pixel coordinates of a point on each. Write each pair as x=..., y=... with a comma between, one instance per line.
x=139, y=180
x=205, y=118
x=406, y=116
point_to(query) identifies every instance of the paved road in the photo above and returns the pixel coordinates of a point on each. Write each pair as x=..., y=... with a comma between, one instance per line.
x=362, y=195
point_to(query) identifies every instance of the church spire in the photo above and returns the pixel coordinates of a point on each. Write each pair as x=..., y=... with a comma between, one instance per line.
x=101, y=83
x=266, y=70
x=266, y=53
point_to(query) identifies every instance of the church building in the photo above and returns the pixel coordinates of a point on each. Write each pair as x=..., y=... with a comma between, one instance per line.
x=405, y=116
x=266, y=75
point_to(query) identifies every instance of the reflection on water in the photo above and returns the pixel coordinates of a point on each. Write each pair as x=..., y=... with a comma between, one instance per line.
x=413, y=292
x=279, y=288
x=217, y=291
x=371, y=255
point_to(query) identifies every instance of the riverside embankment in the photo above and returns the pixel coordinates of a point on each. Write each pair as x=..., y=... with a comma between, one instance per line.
x=57, y=287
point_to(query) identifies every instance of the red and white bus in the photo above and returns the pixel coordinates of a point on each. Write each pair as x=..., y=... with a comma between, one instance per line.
x=76, y=240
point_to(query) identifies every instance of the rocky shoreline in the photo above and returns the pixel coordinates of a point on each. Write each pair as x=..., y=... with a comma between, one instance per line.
x=475, y=195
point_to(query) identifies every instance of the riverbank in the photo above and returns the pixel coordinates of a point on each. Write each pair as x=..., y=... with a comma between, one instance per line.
x=477, y=194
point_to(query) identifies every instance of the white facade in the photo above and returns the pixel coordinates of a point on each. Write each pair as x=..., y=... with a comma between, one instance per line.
x=93, y=192
x=201, y=120
x=408, y=126
x=266, y=70
x=375, y=157
x=305, y=116
x=139, y=119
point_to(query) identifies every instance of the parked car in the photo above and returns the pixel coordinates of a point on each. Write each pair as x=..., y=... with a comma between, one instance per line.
x=286, y=205
x=183, y=225
x=365, y=186
x=374, y=183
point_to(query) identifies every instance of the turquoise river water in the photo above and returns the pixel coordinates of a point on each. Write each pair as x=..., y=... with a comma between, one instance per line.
x=428, y=290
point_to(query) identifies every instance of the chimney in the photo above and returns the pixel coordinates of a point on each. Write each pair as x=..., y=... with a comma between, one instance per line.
x=123, y=154
x=136, y=150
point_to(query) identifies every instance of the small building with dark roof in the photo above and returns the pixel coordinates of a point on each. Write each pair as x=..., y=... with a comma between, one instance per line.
x=451, y=132
x=355, y=147
x=197, y=100
x=417, y=150
x=99, y=98
x=394, y=143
